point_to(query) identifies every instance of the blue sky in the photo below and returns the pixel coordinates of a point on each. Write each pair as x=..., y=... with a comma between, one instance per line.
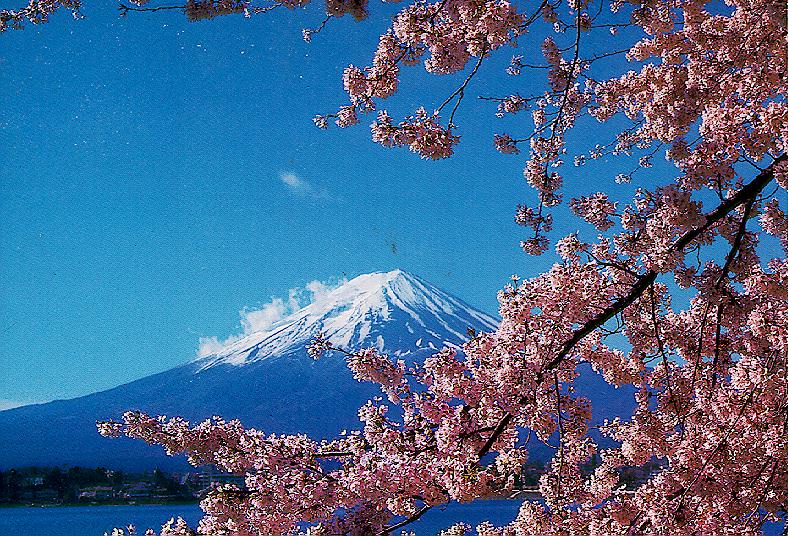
x=160, y=176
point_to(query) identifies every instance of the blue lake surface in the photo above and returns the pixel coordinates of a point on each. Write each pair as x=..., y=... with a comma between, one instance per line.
x=95, y=520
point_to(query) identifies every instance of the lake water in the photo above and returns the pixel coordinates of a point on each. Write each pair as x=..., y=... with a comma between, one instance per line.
x=95, y=520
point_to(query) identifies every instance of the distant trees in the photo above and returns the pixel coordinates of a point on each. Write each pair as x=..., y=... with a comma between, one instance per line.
x=36, y=485
x=10, y=485
x=26, y=484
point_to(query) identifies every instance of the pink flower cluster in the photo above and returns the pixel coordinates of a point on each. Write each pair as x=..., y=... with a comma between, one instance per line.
x=595, y=209
x=505, y=144
x=208, y=9
x=450, y=32
x=454, y=30
x=511, y=105
x=356, y=8
x=36, y=12
x=421, y=132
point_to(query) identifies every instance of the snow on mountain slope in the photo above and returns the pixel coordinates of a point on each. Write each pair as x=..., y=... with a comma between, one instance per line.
x=393, y=311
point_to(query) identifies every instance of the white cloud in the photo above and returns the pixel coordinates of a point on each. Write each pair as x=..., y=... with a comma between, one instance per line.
x=211, y=345
x=267, y=315
x=294, y=182
x=302, y=188
x=320, y=290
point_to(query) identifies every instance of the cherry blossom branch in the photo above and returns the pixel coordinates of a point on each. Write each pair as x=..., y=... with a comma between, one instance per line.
x=202, y=9
x=744, y=195
x=644, y=281
x=307, y=33
x=124, y=9
x=460, y=91
x=714, y=452
x=531, y=18
x=36, y=12
x=661, y=347
x=411, y=519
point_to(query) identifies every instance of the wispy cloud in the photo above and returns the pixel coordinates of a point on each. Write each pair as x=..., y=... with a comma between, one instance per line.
x=300, y=187
x=211, y=345
x=264, y=317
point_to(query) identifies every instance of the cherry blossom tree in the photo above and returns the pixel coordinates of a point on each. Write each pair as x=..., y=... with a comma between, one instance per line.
x=683, y=294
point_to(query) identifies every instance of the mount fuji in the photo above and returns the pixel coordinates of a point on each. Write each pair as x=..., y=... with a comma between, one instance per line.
x=266, y=379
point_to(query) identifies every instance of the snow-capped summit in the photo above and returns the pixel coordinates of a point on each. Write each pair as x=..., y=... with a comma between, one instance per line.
x=394, y=311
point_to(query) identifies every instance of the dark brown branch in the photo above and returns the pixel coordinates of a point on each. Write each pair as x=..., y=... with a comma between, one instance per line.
x=125, y=8
x=333, y=454
x=560, y=435
x=661, y=348
x=502, y=424
x=461, y=90
x=308, y=32
x=737, y=240
x=735, y=247
x=717, y=338
x=411, y=519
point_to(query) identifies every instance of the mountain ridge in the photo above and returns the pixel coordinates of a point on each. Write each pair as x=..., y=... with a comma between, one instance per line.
x=265, y=379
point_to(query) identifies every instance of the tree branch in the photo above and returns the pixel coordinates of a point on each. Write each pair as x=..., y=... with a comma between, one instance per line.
x=745, y=195
x=411, y=519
